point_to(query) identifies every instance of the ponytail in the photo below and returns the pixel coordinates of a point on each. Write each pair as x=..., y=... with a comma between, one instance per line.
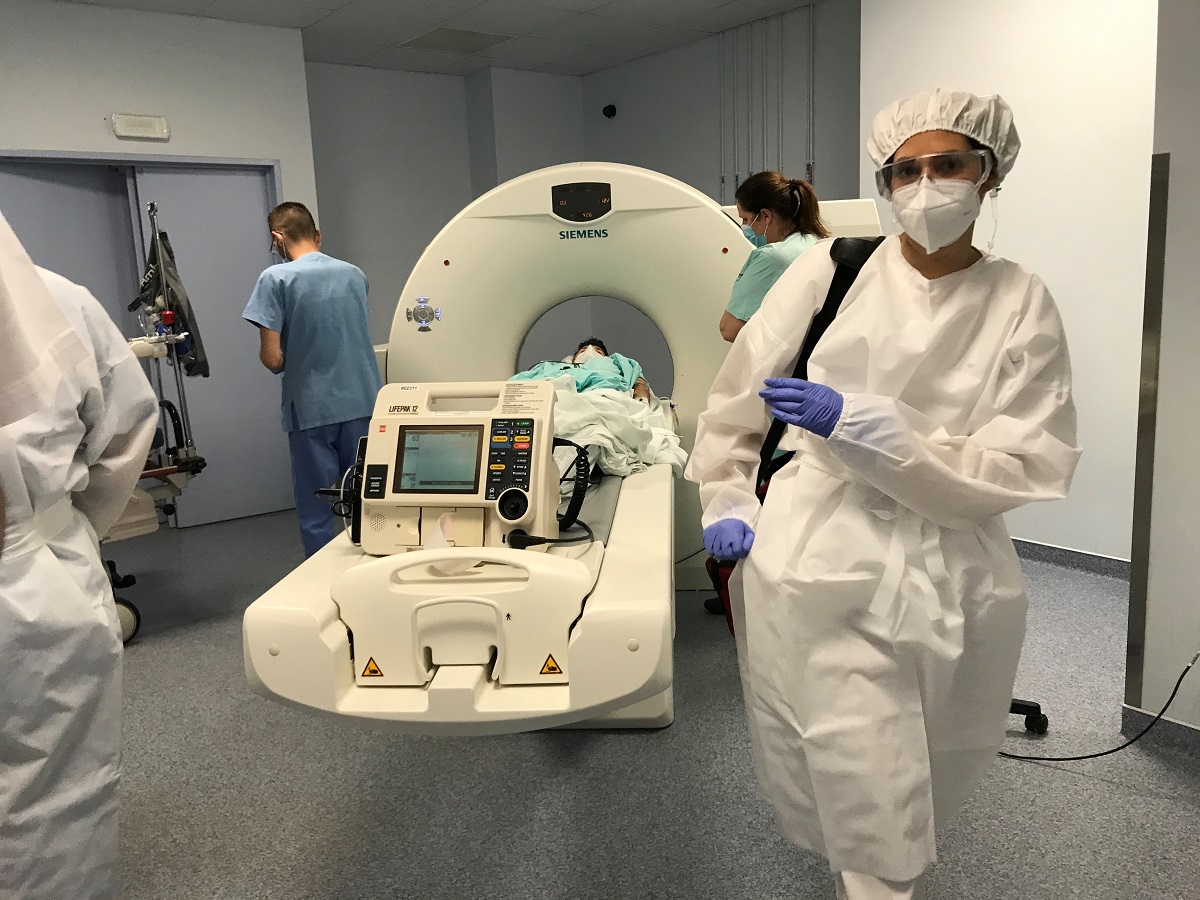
x=792, y=200
x=806, y=213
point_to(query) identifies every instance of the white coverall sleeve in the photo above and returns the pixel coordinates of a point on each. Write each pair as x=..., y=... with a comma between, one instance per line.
x=120, y=420
x=731, y=430
x=1021, y=449
x=37, y=343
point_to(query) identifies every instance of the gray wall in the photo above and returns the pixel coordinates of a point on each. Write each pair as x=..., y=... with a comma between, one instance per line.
x=392, y=168
x=1173, y=608
x=539, y=121
x=64, y=68
x=481, y=132
x=738, y=103
x=667, y=114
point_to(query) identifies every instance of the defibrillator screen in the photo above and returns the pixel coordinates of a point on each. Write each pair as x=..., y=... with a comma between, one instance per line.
x=438, y=459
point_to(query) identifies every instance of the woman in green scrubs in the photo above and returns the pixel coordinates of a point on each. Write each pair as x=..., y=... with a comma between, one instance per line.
x=780, y=218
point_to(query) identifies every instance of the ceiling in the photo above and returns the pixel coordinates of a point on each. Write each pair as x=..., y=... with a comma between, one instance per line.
x=458, y=37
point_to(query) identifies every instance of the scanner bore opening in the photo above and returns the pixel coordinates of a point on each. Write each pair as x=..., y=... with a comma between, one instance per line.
x=623, y=327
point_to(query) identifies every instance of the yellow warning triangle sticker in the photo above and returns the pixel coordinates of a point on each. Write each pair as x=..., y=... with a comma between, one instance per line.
x=550, y=667
x=372, y=670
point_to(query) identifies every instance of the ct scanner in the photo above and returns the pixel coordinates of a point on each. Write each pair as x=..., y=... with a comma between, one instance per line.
x=433, y=622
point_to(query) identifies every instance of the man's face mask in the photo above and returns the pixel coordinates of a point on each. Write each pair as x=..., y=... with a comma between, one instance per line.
x=589, y=352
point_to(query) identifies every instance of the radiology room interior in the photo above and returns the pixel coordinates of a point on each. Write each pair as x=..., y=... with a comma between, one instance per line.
x=350, y=107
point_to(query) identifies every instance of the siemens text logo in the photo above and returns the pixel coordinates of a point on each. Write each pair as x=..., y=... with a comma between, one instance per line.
x=590, y=233
x=393, y=410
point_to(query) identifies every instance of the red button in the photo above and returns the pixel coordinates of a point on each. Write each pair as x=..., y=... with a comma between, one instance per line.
x=520, y=446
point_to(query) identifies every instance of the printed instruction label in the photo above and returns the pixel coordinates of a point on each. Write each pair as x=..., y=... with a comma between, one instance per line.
x=372, y=669
x=522, y=398
x=550, y=667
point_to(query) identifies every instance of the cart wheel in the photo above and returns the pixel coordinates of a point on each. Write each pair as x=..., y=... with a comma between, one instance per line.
x=1037, y=724
x=129, y=618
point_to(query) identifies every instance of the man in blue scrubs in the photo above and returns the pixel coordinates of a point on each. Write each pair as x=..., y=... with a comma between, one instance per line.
x=311, y=312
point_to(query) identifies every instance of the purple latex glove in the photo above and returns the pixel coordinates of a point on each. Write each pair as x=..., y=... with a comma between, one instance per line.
x=813, y=407
x=728, y=539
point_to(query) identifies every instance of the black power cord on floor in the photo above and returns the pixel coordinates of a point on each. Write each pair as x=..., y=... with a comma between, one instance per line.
x=1128, y=743
x=689, y=556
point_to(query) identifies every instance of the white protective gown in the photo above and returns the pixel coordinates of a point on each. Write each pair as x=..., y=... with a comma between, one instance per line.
x=67, y=472
x=881, y=611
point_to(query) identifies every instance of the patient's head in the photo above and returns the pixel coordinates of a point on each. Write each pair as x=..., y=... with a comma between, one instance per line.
x=588, y=348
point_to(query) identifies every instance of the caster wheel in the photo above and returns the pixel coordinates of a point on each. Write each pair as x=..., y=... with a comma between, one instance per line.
x=129, y=618
x=1037, y=724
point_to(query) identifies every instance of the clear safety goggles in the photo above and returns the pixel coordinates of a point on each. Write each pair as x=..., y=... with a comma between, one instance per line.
x=963, y=165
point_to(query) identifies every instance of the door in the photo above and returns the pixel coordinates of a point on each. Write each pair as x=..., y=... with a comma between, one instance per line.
x=75, y=220
x=216, y=220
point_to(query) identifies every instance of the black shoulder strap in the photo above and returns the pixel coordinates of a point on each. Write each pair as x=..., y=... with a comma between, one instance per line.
x=850, y=254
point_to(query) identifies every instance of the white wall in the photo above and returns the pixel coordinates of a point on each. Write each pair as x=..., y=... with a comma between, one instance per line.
x=1173, y=608
x=1080, y=78
x=392, y=167
x=229, y=90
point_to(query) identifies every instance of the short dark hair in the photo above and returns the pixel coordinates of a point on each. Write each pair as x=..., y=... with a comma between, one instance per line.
x=792, y=199
x=592, y=342
x=293, y=221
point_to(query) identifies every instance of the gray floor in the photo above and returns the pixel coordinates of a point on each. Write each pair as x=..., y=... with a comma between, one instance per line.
x=227, y=795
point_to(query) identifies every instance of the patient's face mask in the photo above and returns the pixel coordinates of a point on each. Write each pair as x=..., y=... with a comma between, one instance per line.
x=589, y=352
x=758, y=240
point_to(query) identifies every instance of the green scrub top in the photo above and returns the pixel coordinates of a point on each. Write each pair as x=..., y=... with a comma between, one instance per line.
x=615, y=372
x=763, y=267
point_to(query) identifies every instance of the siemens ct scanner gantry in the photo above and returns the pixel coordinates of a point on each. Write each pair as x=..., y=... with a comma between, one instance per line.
x=444, y=612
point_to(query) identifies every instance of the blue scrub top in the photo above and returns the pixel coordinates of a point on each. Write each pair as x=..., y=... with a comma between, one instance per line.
x=763, y=267
x=318, y=305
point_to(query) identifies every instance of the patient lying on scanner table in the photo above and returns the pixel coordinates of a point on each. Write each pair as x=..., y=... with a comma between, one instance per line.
x=593, y=367
x=605, y=404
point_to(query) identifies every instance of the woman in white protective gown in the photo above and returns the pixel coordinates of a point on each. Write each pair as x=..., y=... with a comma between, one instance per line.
x=76, y=420
x=880, y=609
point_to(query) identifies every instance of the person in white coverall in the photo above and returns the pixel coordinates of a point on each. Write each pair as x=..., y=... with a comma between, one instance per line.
x=77, y=417
x=880, y=608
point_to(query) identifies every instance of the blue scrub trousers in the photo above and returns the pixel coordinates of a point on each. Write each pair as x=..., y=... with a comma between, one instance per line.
x=320, y=457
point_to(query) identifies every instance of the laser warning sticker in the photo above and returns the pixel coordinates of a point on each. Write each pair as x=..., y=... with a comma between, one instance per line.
x=372, y=670
x=549, y=668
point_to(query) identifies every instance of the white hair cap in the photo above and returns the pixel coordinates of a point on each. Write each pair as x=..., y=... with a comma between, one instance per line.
x=988, y=120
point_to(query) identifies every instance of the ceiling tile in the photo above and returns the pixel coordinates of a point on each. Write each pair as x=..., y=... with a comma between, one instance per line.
x=531, y=51
x=571, y=5
x=332, y=48
x=453, y=40
x=409, y=60
x=282, y=13
x=590, y=29
x=506, y=17
x=560, y=69
x=656, y=12
x=179, y=7
x=739, y=12
x=599, y=58
x=666, y=37
x=374, y=21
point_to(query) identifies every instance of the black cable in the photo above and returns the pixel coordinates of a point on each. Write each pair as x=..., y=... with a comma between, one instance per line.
x=1130, y=742
x=519, y=540
x=689, y=556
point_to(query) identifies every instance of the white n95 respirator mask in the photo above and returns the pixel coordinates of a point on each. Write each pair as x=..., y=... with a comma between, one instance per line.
x=588, y=352
x=936, y=212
